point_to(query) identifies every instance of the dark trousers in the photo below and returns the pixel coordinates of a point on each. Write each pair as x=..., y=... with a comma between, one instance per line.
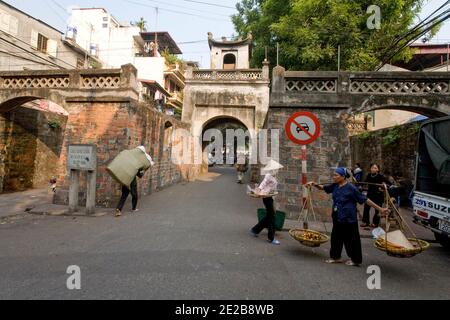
x=376, y=218
x=268, y=221
x=126, y=192
x=346, y=234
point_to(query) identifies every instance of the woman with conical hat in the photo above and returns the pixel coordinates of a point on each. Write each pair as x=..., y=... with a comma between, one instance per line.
x=266, y=188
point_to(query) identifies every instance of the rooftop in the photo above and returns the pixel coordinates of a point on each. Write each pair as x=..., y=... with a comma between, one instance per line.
x=29, y=16
x=164, y=41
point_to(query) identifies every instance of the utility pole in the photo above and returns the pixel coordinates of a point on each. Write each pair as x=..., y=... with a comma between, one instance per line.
x=339, y=58
x=448, y=55
x=156, y=32
x=278, y=54
x=88, y=51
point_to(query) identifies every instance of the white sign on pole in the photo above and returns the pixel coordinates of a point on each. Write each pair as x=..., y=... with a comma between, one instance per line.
x=82, y=157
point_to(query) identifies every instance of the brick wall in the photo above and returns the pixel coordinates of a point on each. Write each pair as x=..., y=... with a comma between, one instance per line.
x=115, y=127
x=29, y=148
x=392, y=148
x=332, y=149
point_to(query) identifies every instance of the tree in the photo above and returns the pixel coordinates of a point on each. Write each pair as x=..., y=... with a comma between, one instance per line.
x=141, y=24
x=310, y=31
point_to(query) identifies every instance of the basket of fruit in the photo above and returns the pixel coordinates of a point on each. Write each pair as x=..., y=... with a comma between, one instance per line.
x=309, y=238
x=394, y=250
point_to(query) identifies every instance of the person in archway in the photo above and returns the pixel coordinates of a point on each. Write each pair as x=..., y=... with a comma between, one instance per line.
x=345, y=219
x=241, y=168
x=268, y=187
x=375, y=193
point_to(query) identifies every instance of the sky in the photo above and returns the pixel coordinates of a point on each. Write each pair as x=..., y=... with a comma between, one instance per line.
x=185, y=20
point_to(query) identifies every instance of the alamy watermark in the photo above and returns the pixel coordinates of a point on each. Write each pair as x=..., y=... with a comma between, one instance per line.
x=74, y=280
x=374, y=280
x=374, y=21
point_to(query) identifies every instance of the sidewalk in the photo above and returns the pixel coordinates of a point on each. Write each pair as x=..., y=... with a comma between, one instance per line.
x=38, y=202
x=12, y=204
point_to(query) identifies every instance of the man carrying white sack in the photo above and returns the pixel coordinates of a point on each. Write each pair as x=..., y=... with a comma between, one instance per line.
x=133, y=188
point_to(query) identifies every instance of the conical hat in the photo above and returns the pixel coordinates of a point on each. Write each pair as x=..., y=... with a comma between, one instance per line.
x=272, y=165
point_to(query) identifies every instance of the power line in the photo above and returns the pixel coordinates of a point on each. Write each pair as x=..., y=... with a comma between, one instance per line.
x=55, y=12
x=193, y=9
x=174, y=11
x=210, y=4
x=410, y=37
x=30, y=52
x=25, y=58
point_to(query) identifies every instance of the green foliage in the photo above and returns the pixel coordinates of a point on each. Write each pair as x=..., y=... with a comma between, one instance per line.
x=365, y=135
x=310, y=31
x=171, y=59
x=141, y=24
x=54, y=124
x=392, y=137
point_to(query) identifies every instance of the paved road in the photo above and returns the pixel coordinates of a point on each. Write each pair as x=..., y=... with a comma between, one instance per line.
x=190, y=242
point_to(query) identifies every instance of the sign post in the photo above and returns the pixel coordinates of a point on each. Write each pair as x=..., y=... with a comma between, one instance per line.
x=303, y=128
x=82, y=157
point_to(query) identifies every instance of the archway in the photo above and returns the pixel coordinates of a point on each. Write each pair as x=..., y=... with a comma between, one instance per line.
x=229, y=61
x=233, y=145
x=31, y=142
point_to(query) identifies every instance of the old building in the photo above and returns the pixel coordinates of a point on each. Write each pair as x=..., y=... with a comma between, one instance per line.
x=228, y=95
x=27, y=43
x=152, y=53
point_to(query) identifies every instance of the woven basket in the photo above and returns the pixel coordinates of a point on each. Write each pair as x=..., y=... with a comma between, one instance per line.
x=419, y=247
x=299, y=235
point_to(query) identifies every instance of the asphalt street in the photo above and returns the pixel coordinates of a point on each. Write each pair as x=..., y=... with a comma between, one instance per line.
x=191, y=241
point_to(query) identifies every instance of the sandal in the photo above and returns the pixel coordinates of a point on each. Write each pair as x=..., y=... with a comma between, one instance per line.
x=351, y=264
x=330, y=261
x=364, y=225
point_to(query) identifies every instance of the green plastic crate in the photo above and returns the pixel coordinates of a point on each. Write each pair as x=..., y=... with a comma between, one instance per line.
x=280, y=217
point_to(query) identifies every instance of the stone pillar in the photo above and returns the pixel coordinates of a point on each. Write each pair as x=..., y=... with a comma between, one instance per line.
x=190, y=72
x=265, y=70
x=74, y=190
x=128, y=76
x=91, y=191
x=278, y=82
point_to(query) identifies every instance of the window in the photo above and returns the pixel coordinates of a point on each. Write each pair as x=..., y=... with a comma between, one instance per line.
x=42, y=43
x=105, y=25
x=168, y=131
x=229, y=61
x=105, y=19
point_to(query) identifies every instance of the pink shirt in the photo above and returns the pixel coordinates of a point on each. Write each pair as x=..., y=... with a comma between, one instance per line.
x=269, y=185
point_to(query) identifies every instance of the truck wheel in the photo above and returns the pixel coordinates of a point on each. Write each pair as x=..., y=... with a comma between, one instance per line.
x=443, y=240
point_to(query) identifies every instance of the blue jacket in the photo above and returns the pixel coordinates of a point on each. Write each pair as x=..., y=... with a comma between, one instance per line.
x=345, y=199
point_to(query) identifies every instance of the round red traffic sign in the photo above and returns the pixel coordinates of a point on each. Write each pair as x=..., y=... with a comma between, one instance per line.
x=303, y=128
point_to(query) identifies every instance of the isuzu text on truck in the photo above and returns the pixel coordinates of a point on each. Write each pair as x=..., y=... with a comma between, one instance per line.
x=432, y=186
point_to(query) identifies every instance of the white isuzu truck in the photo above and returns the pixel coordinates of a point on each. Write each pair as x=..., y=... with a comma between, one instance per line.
x=431, y=200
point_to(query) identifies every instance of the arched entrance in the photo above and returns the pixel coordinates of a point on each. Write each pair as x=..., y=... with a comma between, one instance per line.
x=229, y=61
x=31, y=142
x=225, y=141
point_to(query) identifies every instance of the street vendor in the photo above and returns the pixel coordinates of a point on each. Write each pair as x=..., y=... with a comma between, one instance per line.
x=265, y=189
x=345, y=221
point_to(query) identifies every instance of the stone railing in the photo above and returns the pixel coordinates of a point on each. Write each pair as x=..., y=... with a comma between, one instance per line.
x=373, y=83
x=407, y=86
x=228, y=75
x=70, y=79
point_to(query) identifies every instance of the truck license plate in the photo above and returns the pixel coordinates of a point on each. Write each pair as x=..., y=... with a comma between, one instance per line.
x=444, y=226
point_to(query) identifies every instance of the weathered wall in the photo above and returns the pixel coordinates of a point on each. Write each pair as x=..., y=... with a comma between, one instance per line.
x=29, y=148
x=392, y=148
x=332, y=149
x=115, y=127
